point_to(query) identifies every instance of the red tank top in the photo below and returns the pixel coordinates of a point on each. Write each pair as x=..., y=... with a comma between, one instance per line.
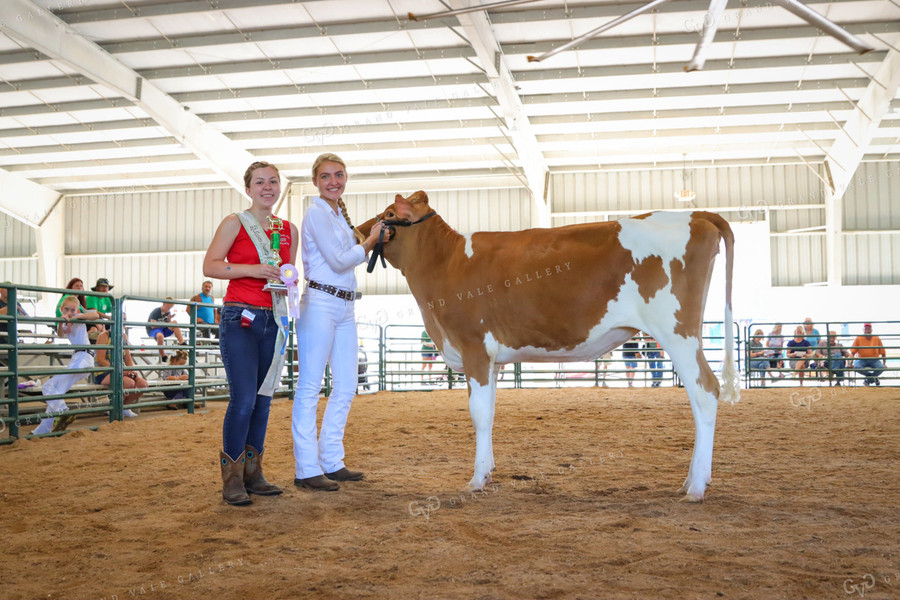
x=249, y=289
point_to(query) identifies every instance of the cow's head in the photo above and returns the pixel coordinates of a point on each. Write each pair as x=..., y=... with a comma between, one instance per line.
x=401, y=216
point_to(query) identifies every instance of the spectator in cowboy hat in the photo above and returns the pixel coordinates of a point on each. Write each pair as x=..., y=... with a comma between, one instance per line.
x=102, y=304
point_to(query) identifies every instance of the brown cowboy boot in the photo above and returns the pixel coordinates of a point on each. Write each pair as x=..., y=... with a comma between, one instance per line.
x=233, y=491
x=254, y=481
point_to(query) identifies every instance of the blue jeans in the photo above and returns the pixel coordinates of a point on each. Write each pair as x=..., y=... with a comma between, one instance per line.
x=869, y=367
x=246, y=353
x=656, y=365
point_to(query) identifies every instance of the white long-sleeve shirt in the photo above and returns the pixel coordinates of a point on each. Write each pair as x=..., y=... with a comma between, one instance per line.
x=328, y=247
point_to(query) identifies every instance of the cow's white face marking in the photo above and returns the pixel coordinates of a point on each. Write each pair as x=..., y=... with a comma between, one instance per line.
x=661, y=234
x=469, y=251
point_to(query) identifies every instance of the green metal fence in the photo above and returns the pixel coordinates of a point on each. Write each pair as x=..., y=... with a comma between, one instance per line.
x=29, y=355
x=831, y=361
x=391, y=358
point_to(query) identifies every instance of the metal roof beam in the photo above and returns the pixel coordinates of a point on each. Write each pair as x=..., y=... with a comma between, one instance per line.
x=163, y=8
x=543, y=74
x=480, y=34
x=51, y=36
x=390, y=26
x=25, y=200
x=844, y=156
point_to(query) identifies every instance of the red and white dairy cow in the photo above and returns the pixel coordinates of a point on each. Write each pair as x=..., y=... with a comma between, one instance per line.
x=568, y=293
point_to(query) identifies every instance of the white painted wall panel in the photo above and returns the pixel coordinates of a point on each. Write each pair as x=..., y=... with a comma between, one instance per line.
x=20, y=270
x=798, y=259
x=16, y=238
x=872, y=201
x=872, y=259
x=147, y=222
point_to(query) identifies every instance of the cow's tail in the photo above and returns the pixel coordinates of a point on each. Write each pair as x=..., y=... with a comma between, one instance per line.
x=731, y=391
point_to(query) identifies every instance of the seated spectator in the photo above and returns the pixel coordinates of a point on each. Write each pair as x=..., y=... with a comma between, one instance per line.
x=131, y=380
x=4, y=294
x=76, y=333
x=835, y=355
x=776, y=342
x=162, y=314
x=77, y=285
x=176, y=374
x=102, y=304
x=868, y=348
x=812, y=335
x=798, y=351
x=759, y=356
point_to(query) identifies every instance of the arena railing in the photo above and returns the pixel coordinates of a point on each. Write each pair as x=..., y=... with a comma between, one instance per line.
x=33, y=360
x=406, y=369
x=30, y=355
x=821, y=372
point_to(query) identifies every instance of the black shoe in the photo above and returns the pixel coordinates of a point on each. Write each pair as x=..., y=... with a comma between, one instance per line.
x=317, y=483
x=344, y=474
x=876, y=381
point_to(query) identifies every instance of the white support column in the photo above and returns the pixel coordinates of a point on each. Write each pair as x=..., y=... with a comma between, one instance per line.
x=51, y=248
x=45, y=32
x=844, y=156
x=481, y=36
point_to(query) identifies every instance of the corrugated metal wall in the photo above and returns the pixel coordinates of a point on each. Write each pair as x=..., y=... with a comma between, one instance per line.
x=503, y=209
x=153, y=243
x=17, y=250
x=791, y=197
x=872, y=225
x=146, y=244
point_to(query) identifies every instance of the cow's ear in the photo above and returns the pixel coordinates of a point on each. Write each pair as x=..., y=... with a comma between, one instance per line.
x=419, y=197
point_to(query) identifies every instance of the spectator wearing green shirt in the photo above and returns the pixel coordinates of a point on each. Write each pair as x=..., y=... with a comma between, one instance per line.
x=102, y=304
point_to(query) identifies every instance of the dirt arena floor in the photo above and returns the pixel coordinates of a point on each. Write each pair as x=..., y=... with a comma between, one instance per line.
x=803, y=504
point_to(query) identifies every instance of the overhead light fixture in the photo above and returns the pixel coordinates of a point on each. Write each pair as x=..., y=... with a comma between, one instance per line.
x=686, y=193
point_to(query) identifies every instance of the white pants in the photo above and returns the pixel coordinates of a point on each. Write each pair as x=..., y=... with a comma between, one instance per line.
x=60, y=384
x=326, y=332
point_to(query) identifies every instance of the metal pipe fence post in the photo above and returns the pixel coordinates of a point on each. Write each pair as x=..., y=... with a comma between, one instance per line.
x=117, y=377
x=13, y=366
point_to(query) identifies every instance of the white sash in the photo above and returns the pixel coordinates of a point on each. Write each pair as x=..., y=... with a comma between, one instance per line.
x=279, y=306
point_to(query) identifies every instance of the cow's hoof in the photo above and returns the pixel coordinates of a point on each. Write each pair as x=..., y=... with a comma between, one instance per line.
x=475, y=486
x=691, y=498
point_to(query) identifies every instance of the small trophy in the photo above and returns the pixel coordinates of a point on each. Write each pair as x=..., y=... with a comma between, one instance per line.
x=275, y=285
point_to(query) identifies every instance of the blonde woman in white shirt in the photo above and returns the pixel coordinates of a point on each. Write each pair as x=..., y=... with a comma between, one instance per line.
x=331, y=249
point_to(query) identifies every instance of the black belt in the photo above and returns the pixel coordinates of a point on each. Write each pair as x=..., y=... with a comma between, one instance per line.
x=245, y=305
x=348, y=295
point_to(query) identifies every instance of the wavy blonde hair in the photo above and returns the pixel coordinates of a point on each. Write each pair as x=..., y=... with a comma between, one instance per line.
x=329, y=157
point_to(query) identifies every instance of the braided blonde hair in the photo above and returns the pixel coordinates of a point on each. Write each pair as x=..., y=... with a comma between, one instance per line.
x=329, y=157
